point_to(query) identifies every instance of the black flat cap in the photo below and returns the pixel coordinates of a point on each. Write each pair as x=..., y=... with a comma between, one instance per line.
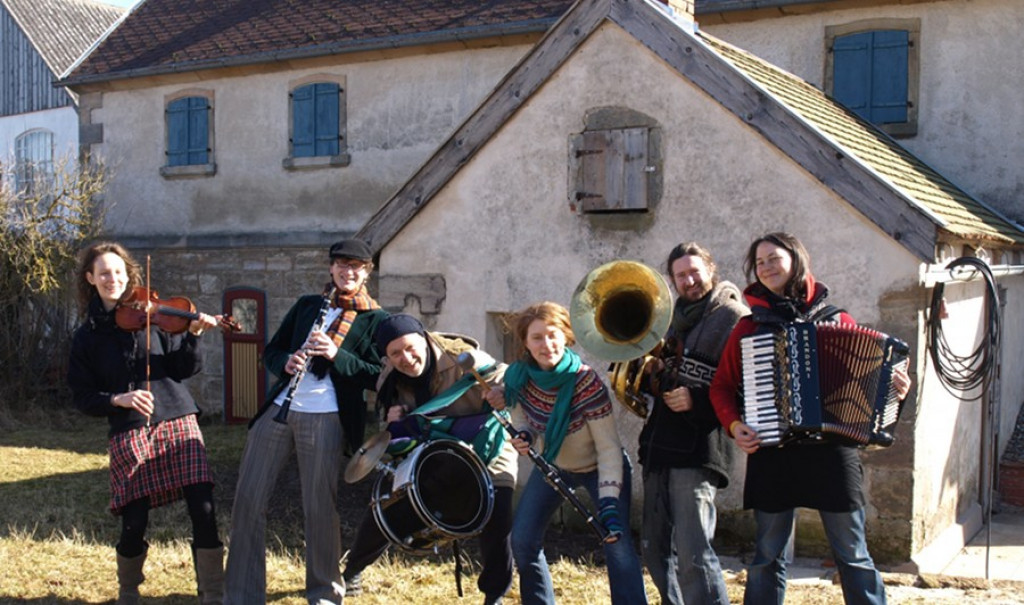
x=352, y=248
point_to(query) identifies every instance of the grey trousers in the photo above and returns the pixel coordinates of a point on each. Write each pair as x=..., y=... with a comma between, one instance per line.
x=318, y=443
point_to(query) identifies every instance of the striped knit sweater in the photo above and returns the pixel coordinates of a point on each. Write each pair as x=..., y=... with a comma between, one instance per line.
x=592, y=442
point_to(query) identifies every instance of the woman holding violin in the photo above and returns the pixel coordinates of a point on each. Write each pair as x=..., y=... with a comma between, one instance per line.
x=134, y=377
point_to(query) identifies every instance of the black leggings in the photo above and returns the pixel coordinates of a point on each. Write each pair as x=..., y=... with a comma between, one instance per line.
x=135, y=517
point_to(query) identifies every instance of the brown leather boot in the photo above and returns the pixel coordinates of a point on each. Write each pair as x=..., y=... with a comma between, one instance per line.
x=210, y=574
x=129, y=576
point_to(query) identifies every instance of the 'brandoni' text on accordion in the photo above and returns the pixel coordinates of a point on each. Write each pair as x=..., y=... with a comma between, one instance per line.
x=830, y=381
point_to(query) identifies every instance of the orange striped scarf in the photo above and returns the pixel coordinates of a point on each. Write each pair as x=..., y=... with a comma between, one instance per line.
x=352, y=305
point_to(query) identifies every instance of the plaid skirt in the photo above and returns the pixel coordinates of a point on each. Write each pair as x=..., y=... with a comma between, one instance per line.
x=156, y=462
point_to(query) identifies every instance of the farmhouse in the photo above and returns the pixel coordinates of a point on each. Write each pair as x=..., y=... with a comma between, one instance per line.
x=626, y=130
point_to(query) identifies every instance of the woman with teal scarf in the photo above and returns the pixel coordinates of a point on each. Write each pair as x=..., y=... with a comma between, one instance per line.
x=564, y=406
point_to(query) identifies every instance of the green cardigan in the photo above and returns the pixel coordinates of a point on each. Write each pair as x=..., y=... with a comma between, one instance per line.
x=356, y=366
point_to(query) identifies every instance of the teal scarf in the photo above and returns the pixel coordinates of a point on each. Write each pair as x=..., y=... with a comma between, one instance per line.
x=561, y=377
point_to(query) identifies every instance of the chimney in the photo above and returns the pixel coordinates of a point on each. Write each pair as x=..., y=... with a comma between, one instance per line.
x=682, y=10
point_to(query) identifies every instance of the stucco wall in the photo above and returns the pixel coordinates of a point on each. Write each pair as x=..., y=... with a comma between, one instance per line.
x=971, y=116
x=503, y=235
x=399, y=109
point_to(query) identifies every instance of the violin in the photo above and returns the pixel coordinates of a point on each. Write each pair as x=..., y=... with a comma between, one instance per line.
x=172, y=315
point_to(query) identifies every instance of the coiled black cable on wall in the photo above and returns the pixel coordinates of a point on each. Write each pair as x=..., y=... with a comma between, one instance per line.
x=977, y=369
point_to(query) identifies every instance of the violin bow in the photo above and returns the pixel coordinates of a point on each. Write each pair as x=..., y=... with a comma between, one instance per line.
x=147, y=333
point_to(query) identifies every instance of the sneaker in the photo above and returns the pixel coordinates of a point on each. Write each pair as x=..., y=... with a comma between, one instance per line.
x=353, y=585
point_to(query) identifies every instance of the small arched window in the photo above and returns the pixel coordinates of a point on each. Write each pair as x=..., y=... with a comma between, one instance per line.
x=33, y=151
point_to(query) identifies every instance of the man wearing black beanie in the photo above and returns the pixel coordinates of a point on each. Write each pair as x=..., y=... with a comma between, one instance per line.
x=419, y=366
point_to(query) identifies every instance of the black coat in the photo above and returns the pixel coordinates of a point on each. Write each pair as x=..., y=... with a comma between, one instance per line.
x=356, y=366
x=694, y=439
x=106, y=360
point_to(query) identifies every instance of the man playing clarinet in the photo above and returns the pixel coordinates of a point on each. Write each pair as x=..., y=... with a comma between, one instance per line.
x=324, y=358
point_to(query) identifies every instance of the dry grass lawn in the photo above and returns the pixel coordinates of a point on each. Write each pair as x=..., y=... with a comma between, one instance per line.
x=56, y=536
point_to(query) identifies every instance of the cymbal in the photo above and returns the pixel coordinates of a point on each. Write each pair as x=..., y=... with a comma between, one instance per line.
x=367, y=456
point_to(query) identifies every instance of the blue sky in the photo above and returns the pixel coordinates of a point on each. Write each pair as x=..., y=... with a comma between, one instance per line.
x=124, y=3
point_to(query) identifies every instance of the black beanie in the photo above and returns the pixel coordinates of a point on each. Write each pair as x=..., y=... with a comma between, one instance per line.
x=396, y=326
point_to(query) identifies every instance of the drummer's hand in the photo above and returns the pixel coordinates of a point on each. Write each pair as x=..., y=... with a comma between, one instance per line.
x=395, y=413
x=496, y=397
x=746, y=438
x=678, y=399
x=321, y=344
x=901, y=382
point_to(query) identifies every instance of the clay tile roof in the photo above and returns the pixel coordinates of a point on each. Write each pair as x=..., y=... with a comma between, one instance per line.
x=162, y=36
x=961, y=214
x=704, y=7
x=61, y=30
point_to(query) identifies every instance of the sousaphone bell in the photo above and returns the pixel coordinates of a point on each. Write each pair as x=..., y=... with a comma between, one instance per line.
x=619, y=312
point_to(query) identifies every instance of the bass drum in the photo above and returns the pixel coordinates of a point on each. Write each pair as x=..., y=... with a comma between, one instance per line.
x=438, y=493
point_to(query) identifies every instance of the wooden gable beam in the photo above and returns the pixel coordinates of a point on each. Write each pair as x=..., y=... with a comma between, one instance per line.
x=519, y=84
x=873, y=197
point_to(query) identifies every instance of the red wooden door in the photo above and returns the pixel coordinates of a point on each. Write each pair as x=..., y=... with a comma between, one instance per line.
x=245, y=380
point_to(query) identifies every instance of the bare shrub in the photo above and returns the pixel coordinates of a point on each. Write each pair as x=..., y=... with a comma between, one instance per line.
x=42, y=226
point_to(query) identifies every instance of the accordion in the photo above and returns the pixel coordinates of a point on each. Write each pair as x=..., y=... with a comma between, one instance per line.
x=824, y=381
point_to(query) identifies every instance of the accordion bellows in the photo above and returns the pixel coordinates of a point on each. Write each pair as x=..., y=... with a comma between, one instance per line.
x=829, y=381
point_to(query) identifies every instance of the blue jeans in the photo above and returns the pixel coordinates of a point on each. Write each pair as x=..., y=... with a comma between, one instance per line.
x=679, y=523
x=766, y=578
x=538, y=503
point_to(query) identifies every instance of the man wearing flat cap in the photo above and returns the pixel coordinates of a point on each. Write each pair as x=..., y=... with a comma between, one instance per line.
x=421, y=372
x=336, y=363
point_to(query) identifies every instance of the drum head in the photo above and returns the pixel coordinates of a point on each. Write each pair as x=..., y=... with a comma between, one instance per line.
x=441, y=492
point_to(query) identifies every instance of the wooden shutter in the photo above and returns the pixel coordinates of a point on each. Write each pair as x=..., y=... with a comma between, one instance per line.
x=177, y=133
x=610, y=170
x=889, y=81
x=198, y=130
x=870, y=74
x=326, y=111
x=303, y=139
x=188, y=131
x=315, y=120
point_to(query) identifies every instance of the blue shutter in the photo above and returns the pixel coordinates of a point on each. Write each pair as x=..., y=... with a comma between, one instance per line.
x=177, y=133
x=315, y=120
x=303, y=142
x=188, y=131
x=326, y=119
x=889, y=81
x=198, y=130
x=870, y=71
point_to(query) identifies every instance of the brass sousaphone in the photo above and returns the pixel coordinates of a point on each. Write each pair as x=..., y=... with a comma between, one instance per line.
x=620, y=311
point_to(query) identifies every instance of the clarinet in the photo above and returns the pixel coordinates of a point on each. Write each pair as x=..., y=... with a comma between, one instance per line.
x=550, y=471
x=554, y=479
x=318, y=326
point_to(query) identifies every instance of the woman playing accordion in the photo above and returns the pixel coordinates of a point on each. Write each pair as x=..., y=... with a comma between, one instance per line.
x=822, y=474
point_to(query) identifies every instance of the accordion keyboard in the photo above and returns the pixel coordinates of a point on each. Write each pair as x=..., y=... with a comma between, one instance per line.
x=760, y=388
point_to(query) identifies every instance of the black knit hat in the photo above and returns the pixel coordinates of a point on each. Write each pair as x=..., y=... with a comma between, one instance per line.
x=396, y=326
x=352, y=248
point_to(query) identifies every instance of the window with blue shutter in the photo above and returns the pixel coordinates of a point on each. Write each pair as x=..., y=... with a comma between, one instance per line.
x=316, y=120
x=873, y=68
x=871, y=75
x=188, y=131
